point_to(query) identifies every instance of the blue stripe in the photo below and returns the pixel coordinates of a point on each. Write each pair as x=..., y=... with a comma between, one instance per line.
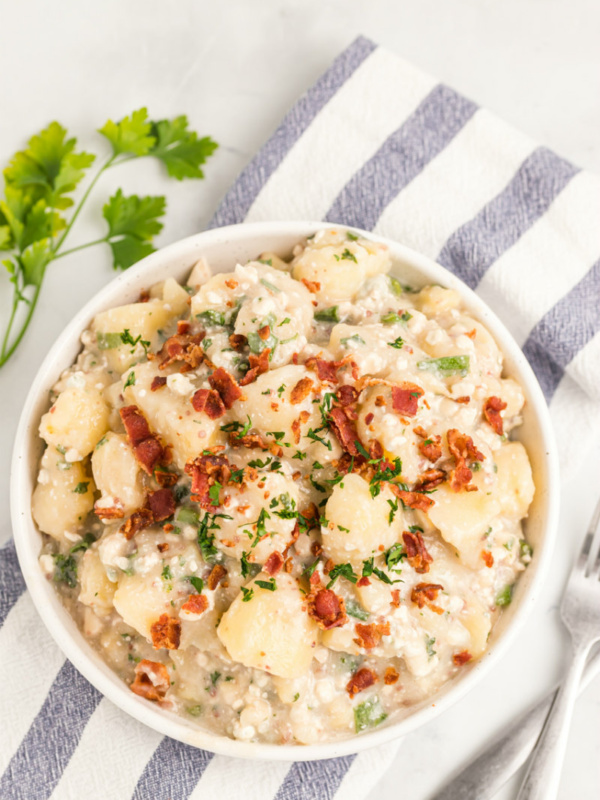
x=316, y=780
x=12, y=584
x=474, y=247
x=172, y=773
x=37, y=766
x=564, y=331
x=404, y=154
x=239, y=199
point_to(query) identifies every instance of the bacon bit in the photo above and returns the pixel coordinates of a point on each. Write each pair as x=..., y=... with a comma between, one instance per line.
x=161, y=503
x=364, y=581
x=380, y=401
x=209, y=401
x=162, y=547
x=226, y=385
x=412, y=499
x=369, y=636
x=431, y=448
x=289, y=565
x=205, y=471
x=157, y=383
x=312, y=286
x=237, y=342
x=183, y=326
x=166, y=633
x=217, y=574
x=316, y=549
x=417, y=554
x=151, y=680
x=144, y=296
x=488, y=558
x=231, y=283
x=146, y=446
x=405, y=398
x=250, y=440
x=140, y=519
x=461, y=658
x=326, y=370
x=395, y=601
x=297, y=426
x=258, y=365
x=491, y=411
x=429, y=479
x=327, y=609
x=112, y=512
x=264, y=332
x=301, y=390
x=164, y=478
x=183, y=347
x=273, y=563
x=369, y=418
x=465, y=399
x=347, y=395
x=472, y=334
x=391, y=676
x=344, y=430
x=462, y=448
x=424, y=594
x=167, y=527
x=195, y=604
x=361, y=680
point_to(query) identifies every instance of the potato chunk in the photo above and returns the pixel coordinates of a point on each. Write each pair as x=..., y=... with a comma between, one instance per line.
x=515, y=488
x=358, y=523
x=117, y=473
x=96, y=590
x=76, y=421
x=141, y=602
x=272, y=631
x=63, y=497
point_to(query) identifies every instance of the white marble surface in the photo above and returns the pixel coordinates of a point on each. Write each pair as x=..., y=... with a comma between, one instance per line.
x=235, y=67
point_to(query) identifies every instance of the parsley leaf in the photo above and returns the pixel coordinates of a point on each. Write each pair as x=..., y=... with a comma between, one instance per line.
x=248, y=594
x=132, y=135
x=447, y=365
x=179, y=149
x=269, y=585
x=65, y=570
x=343, y=570
x=132, y=222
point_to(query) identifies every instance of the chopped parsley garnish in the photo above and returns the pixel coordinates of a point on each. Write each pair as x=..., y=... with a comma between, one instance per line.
x=180, y=492
x=213, y=493
x=351, y=236
x=87, y=541
x=369, y=569
x=334, y=481
x=245, y=565
x=284, y=322
x=429, y=642
x=395, y=286
x=194, y=711
x=354, y=338
x=356, y=610
x=525, y=550
x=415, y=529
x=346, y=256
x=391, y=318
x=344, y=571
x=393, y=504
x=267, y=261
x=299, y=455
x=127, y=338
x=206, y=343
x=237, y=428
x=447, y=365
x=188, y=516
x=248, y=594
x=237, y=475
x=166, y=573
x=212, y=317
x=130, y=380
x=288, y=506
x=261, y=530
x=267, y=283
x=65, y=570
x=269, y=585
x=504, y=596
x=394, y=555
x=330, y=314
x=206, y=539
x=368, y=714
x=281, y=389
x=314, y=435
x=397, y=343
x=316, y=485
x=81, y=488
x=214, y=677
x=309, y=570
x=197, y=583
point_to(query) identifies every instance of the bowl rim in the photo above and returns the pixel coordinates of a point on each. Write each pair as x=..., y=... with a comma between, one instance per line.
x=81, y=654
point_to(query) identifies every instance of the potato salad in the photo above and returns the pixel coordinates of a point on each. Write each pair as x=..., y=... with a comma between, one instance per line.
x=283, y=501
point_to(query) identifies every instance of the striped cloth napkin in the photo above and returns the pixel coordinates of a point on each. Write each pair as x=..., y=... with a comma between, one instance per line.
x=378, y=145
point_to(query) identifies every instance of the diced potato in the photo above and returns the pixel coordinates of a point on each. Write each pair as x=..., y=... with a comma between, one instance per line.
x=96, y=590
x=477, y=620
x=63, y=497
x=76, y=421
x=434, y=300
x=141, y=602
x=201, y=272
x=175, y=297
x=117, y=473
x=172, y=416
x=272, y=631
x=141, y=319
x=275, y=261
x=489, y=356
x=365, y=518
x=515, y=487
x=341, y=640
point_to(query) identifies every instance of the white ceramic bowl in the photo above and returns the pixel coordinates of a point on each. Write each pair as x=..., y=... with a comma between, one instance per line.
x=223, y=248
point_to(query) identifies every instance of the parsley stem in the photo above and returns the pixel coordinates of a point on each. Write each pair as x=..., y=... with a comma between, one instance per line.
x=7, y=354
x=81, y=247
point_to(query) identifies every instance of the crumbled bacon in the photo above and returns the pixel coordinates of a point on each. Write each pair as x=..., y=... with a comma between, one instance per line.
x=312, y=286
x=415, y=500
x=205, y=472
x=140, y=519
x=327, y=609
x=151, y=680
x=217, y=574
x=369, y=418
x=166, y=633
x=301, y=391
x=361, y=680
x=237, y=342
x=226, y=385
x=391, y=676
x=345, y=430
x=488, y=558
x=464, y=399
x=209, y=401
x=395, y=601
x=369, y=636
x=429, y=479
x=146, y=446
x=157, y=383
x=462, y=658
x=431, y=448
x=161, y=503
x=110, y=512
x=424, y=594
x=250, y=440
x=297, y=425
x=364, y=581
x=274, y=563
x=164, y=478
x=491, y=411
x=144, y=296
x=185, y=347
x=347, y=395
x=258, y=365
x=162, y=547
x=264, y=332
x=416, y=552
x=195, y=604
x=326, y=370
x=462, y=448
x=405, y=398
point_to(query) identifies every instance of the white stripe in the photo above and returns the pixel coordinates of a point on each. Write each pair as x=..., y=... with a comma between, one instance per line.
x=370, y=106
x=366, y=770
x=576, y=420
x=232, y=778
x=29, y=664
x=110, y=757
x=475, y=166
x=585, y=367
x=548, y=260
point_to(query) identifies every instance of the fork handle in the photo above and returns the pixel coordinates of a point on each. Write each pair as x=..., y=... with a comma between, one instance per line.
x=543, y=776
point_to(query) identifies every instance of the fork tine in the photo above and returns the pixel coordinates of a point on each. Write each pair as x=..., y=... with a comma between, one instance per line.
x=592, y=544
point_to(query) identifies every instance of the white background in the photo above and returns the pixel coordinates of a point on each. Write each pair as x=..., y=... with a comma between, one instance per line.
x=235, y=67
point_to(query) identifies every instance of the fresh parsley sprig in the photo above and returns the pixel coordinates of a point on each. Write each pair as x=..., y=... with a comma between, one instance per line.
x=39, y=184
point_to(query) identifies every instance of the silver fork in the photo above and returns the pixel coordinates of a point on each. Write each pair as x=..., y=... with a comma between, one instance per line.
x=580, y=612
